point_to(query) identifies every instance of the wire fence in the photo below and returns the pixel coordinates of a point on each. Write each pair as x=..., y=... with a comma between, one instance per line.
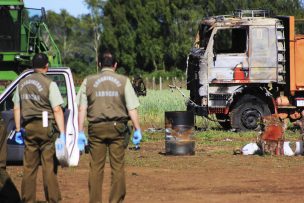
x=156, y=83
x=161, y=83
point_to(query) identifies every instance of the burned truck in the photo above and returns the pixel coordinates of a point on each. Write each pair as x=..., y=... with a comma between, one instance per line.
x=245, y=66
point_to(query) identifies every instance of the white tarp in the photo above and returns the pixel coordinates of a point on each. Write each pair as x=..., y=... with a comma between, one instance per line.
x=253, y=148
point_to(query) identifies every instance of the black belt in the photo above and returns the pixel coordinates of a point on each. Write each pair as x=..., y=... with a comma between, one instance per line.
x=25, y=122
x=107, y=122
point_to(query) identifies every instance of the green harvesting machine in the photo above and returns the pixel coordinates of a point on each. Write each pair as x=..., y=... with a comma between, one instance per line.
x=23, y=32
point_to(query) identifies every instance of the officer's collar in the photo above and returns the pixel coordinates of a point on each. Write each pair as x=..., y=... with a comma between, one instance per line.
x=107, y=69
x=41, y=73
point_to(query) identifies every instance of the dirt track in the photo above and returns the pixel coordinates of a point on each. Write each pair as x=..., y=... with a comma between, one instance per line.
x=212, y=175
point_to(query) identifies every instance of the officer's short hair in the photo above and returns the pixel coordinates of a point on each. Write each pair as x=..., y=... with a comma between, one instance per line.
x=106, y=59
x=40, y=60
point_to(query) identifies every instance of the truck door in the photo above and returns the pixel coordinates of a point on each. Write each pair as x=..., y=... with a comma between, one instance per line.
x=11, y=151
x=230, y=50
x=263, y=54
x=64, y=80
x=3, y=146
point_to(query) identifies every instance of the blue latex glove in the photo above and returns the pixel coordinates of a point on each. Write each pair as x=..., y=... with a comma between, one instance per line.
x=82, y=140
x=60, y=142
x=19, y=137
x=137, y=137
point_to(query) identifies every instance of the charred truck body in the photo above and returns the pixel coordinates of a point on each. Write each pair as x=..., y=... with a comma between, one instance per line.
x=246, y=66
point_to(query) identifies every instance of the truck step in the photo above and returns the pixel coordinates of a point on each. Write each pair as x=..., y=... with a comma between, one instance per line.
x=287, y=107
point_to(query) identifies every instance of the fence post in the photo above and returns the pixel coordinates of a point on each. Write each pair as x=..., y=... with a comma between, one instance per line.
x=147, y=83
x=160, y=83
x=153, y=83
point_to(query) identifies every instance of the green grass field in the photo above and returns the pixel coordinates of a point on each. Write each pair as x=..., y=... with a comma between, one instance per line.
x=153, y=107
x=7, y=75
x=152, y=113
x=156, y=103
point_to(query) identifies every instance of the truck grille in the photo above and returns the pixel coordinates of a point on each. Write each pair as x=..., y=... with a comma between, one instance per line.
x=219, y=96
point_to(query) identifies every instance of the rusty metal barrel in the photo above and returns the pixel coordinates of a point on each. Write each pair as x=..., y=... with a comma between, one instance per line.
x=179, y=133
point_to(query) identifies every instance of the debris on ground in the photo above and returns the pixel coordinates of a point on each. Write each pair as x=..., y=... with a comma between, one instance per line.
x=271, y=140
x=227, y=140
x=155, y=130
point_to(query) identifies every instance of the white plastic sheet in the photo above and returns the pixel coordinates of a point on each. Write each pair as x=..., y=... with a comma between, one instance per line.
x=250, y=149
x=287, y=150
x=299, y=148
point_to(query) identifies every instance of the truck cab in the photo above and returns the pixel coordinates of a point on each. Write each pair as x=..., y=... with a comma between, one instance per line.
x=63, y=78
x=241, y=65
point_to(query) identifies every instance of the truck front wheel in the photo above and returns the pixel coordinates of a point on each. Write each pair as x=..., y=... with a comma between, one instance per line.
x=247, y=113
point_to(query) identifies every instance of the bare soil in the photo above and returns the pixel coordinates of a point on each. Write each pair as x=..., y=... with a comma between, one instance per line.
x=213, y=174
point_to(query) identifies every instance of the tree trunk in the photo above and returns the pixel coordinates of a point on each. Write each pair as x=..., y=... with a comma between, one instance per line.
x=154, y=65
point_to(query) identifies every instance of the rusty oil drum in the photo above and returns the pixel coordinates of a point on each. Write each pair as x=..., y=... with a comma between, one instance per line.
x=179, y=133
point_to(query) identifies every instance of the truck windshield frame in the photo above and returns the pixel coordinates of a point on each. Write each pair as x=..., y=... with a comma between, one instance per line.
x=204, y=35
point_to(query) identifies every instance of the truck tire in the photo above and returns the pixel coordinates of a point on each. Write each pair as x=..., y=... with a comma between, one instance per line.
x=247, y=112
x=226, y=125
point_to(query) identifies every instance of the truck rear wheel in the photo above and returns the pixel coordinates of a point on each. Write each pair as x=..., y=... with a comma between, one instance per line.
x=247, y=113
x=224, y=121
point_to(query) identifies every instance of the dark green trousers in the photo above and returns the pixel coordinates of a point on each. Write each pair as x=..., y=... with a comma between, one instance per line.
x=39, y=148
x=105, y=137
x=8, y=190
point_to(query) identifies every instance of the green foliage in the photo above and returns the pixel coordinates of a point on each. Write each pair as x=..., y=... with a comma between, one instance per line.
x=145, y=35
x=73, y=38
x=153, y=35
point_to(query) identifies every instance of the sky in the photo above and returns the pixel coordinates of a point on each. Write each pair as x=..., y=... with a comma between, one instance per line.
x=74, y=7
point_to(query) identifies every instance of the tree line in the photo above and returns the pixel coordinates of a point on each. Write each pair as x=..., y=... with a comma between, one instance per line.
x=145, y=35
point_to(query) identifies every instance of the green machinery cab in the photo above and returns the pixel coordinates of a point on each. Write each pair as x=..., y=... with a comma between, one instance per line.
x=23, y=33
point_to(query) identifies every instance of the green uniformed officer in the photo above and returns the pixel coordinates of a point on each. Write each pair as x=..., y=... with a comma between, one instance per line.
x=38, y=101
x=109, y=101
x=8, y=191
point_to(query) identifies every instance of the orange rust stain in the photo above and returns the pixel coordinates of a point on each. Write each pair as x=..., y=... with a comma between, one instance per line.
x=292, y=54
x=273, y=128
x=273, y=132
x=273, y=135
x=299, y=63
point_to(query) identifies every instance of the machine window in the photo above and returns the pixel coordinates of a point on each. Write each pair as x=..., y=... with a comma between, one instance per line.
x=10, y=29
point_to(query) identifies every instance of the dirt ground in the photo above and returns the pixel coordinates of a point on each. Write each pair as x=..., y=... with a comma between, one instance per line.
x=213, y=174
